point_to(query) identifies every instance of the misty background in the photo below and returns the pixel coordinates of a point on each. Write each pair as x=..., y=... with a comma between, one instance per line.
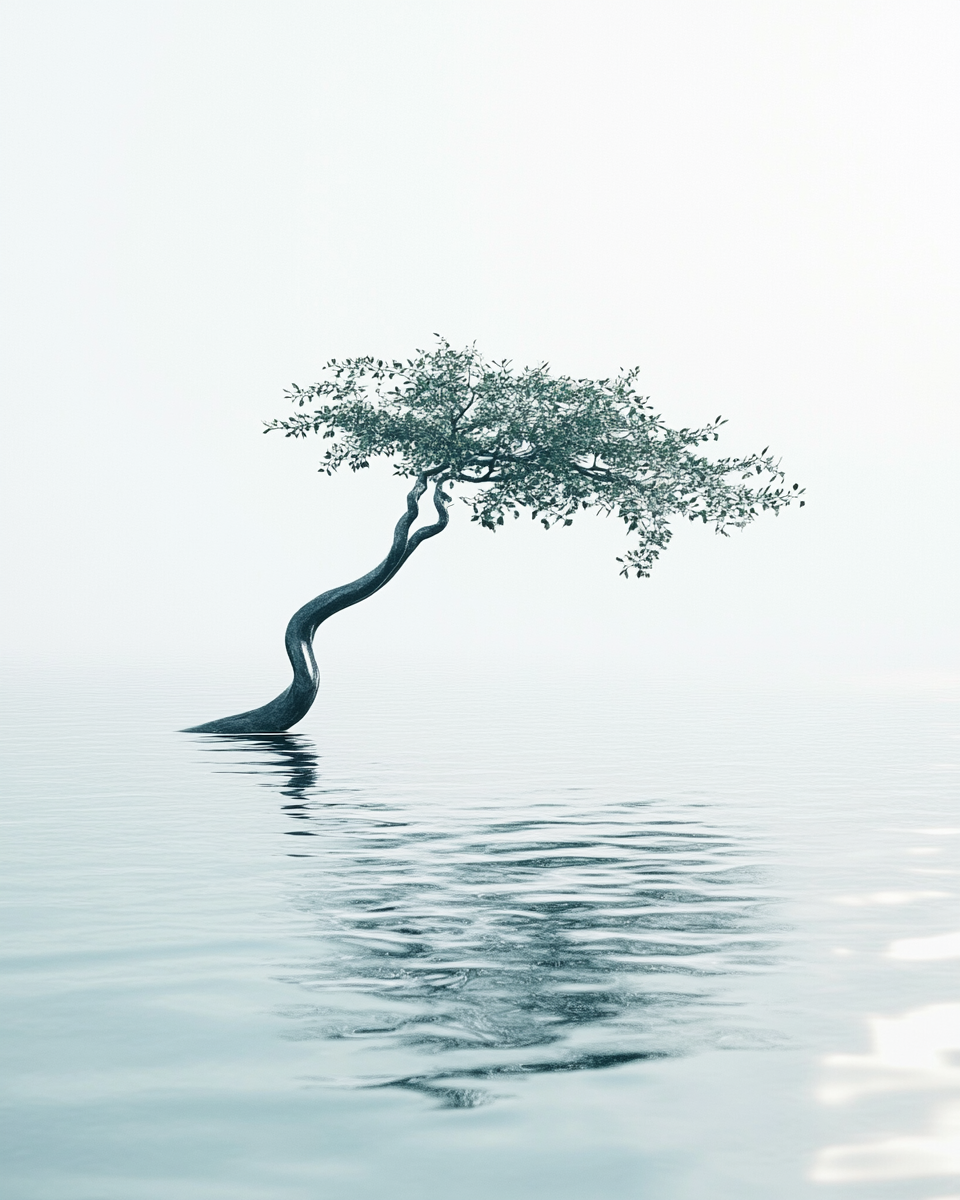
x=755, y=202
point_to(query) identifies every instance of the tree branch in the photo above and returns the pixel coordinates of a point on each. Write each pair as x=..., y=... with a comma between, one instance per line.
x=441, y=503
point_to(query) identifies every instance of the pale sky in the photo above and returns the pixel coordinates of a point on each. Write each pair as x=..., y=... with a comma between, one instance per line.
x=755, y=202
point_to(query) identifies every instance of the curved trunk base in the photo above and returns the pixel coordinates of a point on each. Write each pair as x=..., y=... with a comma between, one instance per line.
x=276, y=717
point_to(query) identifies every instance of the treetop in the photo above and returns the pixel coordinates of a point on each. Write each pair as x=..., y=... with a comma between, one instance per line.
x=530, y=440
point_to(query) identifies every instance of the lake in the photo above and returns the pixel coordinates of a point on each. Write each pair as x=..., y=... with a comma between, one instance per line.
x=491, y=935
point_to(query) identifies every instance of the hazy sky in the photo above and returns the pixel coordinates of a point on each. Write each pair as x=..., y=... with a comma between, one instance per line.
x=755, y=202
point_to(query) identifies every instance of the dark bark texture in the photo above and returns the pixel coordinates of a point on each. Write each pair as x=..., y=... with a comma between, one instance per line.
x=293, y=704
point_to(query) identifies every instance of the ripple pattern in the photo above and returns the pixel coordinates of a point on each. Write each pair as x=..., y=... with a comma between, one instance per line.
x=485, y=937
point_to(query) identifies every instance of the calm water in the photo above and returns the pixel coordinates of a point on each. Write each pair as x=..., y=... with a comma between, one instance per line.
x=577, y=938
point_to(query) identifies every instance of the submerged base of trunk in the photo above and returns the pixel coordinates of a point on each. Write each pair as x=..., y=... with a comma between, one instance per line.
x=276, y=717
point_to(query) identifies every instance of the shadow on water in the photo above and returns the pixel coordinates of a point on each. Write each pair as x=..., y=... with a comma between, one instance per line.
x=500, y=937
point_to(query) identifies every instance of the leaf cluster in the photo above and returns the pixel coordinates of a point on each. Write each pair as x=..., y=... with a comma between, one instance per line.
x=527, y=440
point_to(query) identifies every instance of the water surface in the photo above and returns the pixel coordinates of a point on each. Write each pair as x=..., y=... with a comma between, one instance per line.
x=541, y=936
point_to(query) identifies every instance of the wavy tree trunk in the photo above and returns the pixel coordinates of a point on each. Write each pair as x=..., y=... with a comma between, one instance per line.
x=294, y=704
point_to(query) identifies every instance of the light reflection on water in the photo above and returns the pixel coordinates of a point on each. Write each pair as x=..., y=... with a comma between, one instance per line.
x=917, y=1052
x=461, y=946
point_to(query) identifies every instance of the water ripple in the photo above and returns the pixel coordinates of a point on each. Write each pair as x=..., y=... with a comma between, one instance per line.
x=494, y=937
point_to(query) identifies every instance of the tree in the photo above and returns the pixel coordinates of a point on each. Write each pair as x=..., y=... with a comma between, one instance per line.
x=518, y=440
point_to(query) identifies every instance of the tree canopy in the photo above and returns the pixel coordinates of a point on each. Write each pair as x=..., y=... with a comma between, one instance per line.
x=530, y=440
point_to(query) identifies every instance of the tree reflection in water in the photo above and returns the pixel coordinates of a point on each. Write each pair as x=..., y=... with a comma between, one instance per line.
x=490, y=938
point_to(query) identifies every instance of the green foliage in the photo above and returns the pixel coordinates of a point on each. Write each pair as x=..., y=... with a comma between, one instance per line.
x=528, y=440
